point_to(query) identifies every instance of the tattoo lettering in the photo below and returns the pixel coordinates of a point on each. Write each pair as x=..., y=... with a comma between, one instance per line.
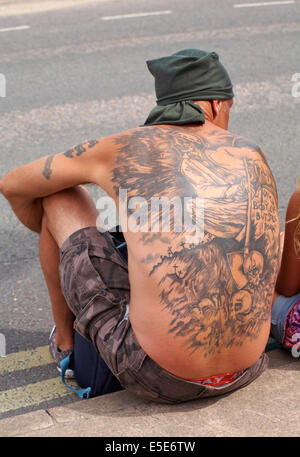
x=217, y=291
x=47, y=172
x=80, y=149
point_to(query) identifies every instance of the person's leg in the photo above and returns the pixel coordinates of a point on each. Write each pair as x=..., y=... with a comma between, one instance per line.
x=64, y=213
x=62, y=315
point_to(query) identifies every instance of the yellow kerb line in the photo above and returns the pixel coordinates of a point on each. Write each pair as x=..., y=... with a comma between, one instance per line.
x=25, y=359
x=32, y=394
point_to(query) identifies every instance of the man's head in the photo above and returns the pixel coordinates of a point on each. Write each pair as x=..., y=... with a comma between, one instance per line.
x=194, y=75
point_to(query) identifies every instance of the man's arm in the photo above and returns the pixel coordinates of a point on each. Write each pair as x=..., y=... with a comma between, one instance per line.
x=25, y=186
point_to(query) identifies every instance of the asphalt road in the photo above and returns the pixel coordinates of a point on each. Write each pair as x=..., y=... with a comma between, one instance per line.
x=71, y=75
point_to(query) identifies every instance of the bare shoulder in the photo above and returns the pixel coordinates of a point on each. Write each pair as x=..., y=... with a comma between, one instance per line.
x=256, y=163
x=248, y=147
x=101, y=149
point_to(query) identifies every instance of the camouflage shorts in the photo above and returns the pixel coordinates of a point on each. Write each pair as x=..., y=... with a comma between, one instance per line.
x=94, y=278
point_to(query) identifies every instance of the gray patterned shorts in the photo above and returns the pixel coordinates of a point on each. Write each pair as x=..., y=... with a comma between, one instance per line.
x=94, y=278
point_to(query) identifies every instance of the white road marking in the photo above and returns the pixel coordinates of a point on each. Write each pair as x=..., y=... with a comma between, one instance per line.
x=12, y=29
x=126, y=16
x=249, y=5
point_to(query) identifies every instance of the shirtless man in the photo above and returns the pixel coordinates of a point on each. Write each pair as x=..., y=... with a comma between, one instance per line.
x=186, y=317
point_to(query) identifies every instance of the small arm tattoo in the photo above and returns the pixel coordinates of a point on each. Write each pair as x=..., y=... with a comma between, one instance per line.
x=80, y=149
x=47, y=172
x=77, y=150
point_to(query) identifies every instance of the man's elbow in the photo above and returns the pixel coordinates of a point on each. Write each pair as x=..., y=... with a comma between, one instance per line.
x=9, y=187
x=6, y=188
x=3, y=187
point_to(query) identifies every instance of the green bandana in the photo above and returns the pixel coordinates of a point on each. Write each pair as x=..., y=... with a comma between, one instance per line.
x=187, y=75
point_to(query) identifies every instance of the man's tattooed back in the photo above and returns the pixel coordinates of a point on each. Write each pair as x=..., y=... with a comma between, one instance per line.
x=214, y=291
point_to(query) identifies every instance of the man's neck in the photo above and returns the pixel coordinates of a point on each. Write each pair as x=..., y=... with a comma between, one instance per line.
x=207, y=109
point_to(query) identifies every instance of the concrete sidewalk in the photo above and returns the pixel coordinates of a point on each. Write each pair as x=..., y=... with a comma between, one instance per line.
x=269, y=407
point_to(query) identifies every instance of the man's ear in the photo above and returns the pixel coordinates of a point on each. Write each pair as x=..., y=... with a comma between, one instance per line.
x=216, y=107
